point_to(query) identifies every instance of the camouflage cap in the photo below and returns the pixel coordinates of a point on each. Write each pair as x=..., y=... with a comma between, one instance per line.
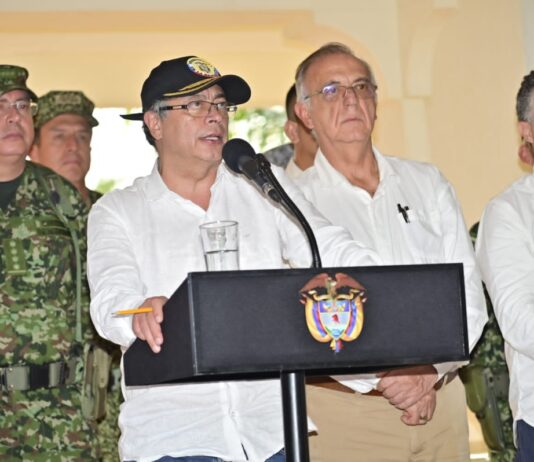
x=14, y=78
x=55, y=103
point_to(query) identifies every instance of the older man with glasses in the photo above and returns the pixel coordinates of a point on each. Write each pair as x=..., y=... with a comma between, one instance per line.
x=44, y=323
x=407, y=212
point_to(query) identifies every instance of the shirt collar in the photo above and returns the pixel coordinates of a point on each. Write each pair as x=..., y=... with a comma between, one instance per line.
x=155, y=187
x=329, y=175
x=292, y=169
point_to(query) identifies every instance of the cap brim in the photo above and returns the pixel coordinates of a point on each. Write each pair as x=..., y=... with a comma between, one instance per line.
x=236, y=90
x=33, y=96
x=93, y=122
x=136, y=116
x=38, y=122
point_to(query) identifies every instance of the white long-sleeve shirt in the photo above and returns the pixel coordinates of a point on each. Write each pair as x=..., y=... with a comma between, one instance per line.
x=143, y=241
x=292, y=170
x=505, y=253
x=430, y=229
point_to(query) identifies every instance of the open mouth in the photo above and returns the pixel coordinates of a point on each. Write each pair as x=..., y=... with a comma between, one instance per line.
x=212, y=138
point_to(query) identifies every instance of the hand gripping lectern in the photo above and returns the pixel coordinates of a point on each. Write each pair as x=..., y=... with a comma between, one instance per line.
x=253, y=324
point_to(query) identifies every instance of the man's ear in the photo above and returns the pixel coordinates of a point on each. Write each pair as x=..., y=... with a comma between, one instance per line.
x=34, y=153
x=526, y=153
x=302, y=111
x=290, y=128
x=153, y=122
x=525, y=131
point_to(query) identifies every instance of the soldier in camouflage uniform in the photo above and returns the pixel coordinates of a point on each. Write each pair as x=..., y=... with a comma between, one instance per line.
x=63, y=131
x=486, y=381
x=45, y=328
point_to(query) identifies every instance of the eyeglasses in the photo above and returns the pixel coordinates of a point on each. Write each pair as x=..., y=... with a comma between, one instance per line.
x=24, y=107
x=363, y=89
x=201, y=108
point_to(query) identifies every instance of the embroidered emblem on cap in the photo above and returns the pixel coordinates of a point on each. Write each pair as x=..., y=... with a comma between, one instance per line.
x=203, y=68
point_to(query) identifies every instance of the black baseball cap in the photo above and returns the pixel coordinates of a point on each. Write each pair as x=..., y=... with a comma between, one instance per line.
x=187, y=76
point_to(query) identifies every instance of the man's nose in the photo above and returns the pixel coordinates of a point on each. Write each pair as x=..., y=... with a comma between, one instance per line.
x=214, y=113
x=72, y=143
x=12, y=113
x=350, y=96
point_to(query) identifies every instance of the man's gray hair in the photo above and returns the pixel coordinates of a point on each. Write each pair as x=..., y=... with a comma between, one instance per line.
x=523, y=105
x=331, y=48
x=156, y=107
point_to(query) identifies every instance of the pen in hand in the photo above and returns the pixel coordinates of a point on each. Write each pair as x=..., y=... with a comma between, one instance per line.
x=142, y=309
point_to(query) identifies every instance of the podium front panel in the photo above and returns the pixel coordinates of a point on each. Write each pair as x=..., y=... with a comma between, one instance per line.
x=242, y=324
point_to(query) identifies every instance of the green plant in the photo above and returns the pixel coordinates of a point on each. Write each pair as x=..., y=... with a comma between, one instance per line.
x=106, y=185
x=263, y=128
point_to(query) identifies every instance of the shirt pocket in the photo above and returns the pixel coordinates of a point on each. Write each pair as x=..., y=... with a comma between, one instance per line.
x=37, y=314
x=423, y=235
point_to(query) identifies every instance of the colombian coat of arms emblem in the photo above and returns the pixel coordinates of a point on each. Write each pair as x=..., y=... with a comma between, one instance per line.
x=334, y=308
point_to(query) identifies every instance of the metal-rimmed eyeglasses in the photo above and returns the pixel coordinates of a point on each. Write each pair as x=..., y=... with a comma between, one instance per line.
x=201, y=108
x=24, y=107
x=362, y=89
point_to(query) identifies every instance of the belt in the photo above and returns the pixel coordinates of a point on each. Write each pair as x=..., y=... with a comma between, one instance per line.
x=33, y=376
x=331, y=384
x=445, y=380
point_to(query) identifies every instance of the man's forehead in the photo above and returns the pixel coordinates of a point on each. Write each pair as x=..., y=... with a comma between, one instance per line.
x=15, y=95
x=338, y=64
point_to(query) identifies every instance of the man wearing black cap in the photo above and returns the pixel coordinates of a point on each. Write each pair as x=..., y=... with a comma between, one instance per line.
x=145, y=239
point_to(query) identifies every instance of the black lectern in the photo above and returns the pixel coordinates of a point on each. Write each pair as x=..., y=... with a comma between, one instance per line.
x=252, y=324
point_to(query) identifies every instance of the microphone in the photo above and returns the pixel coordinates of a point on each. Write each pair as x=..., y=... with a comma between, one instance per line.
x=240, y=157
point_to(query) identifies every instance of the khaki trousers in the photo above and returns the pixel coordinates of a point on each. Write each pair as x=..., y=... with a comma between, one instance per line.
x=356, y=427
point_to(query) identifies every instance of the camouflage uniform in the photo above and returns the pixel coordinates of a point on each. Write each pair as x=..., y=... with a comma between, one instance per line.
x=488, y=354
x=53, y=104
x=94, y=196
x=108, y=428
x=38, y=319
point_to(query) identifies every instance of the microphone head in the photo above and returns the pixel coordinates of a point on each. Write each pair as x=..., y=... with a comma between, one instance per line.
x=237, y=151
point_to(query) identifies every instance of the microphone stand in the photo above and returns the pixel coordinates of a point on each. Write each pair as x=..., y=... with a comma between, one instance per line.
x=293, y=382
